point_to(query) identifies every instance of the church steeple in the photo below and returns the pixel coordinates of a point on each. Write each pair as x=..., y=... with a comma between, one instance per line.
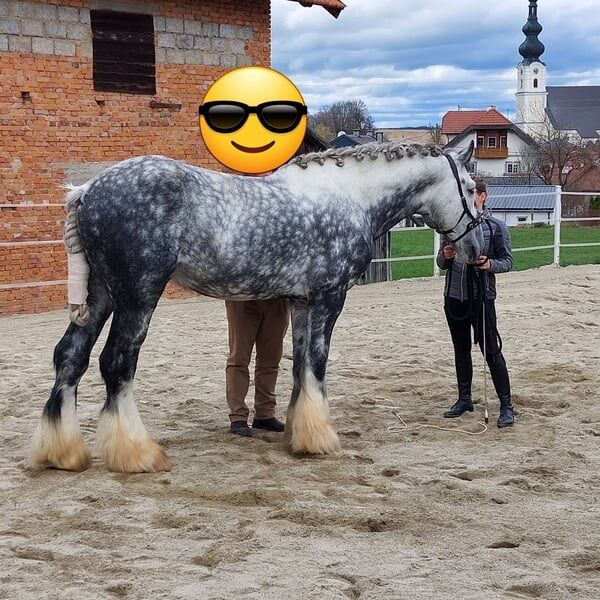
x=531, y=49
x=531, y=77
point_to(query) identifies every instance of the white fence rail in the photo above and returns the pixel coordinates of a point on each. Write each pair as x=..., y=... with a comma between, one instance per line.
x=554, y=222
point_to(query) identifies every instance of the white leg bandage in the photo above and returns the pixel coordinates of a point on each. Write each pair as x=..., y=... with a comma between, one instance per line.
x=79, y=272
x=77, y=287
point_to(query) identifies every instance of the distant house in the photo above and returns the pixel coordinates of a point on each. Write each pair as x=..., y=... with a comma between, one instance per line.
x=499, y=143
x=522, y=204
x=356, y=138
x=522, y=179
x=312, y=143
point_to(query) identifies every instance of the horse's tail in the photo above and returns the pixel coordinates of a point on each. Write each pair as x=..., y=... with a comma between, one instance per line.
x=79, y=269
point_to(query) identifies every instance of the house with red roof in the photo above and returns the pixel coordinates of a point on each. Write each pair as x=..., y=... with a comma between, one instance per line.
x=499, y=143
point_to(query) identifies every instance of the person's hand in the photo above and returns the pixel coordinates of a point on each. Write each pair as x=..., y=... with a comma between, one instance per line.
x=483, y=263
x=449, y=252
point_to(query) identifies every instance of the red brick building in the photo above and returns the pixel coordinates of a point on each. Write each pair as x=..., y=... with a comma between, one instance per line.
x=86, y=83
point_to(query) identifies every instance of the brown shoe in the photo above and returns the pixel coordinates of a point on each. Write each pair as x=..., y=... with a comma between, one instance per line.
x=241, y=428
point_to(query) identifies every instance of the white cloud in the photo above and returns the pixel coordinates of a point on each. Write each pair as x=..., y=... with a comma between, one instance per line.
x=413, y=60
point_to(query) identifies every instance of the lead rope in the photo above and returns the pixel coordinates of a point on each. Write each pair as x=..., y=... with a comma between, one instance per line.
x=486, y=416
x=416, y=426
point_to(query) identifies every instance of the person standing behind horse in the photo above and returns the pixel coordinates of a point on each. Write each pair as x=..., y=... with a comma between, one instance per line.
x=260, y=323
x=467, y=291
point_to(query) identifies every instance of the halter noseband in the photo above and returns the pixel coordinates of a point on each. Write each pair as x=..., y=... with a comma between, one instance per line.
x=474, y=221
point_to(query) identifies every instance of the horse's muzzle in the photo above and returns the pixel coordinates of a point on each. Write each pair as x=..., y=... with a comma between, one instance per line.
x=468, y=250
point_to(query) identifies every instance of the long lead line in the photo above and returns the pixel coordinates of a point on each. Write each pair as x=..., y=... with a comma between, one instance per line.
x=416, y=426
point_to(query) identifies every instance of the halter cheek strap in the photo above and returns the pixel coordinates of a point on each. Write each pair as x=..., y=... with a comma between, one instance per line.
x=474, y=221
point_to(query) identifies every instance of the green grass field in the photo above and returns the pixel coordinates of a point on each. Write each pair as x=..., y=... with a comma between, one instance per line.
x=420, y=242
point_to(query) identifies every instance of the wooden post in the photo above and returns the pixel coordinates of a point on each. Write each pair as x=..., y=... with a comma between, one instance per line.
x=389, y=265
x=378, y=272
x=436, y=249
x=557, y=219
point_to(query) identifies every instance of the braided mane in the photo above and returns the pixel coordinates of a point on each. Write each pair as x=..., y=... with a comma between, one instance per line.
x=391, y=151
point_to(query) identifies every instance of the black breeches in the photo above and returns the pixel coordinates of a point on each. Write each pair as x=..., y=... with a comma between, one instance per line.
x=461, y=324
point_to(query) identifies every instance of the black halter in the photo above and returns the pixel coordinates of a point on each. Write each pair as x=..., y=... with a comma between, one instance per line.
x=474, y=221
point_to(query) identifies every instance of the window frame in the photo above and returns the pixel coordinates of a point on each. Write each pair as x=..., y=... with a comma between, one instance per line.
x=124, y=52
x=512, y=167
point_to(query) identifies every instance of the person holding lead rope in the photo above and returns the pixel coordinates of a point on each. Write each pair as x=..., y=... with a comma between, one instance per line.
x=469, y=302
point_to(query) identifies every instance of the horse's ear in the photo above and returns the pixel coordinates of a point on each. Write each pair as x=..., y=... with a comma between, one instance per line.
x=464, y=156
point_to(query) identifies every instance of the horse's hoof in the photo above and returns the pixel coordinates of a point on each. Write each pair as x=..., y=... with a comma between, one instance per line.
x=319, y=438
x=323, y=444
x=138, y=456
x=55, y=448
x=126, y=450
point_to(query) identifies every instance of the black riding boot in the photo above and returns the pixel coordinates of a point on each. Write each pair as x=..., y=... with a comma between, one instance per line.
x=499, y=374
x=464, y=376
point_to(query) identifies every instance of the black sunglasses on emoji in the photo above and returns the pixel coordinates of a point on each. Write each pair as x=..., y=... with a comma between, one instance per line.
x=278, y=116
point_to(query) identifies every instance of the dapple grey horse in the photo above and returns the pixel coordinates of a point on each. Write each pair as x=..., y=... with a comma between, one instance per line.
x=304, y=232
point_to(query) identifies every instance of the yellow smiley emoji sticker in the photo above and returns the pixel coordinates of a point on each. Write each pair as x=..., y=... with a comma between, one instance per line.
x=253, y=119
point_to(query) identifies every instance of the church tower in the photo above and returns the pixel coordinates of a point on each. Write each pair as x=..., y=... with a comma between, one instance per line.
x=531, y=76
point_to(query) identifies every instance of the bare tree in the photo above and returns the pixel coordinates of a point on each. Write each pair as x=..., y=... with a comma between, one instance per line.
x=436, y=135
x=557, y=156
x=343, y=116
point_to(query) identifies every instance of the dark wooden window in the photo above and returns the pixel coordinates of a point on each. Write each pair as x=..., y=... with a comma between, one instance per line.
x=491, y=141
x=502, y=141
x=124, y=59
x=480, y=141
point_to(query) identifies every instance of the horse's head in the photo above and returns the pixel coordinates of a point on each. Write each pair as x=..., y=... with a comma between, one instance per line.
x=450, y=208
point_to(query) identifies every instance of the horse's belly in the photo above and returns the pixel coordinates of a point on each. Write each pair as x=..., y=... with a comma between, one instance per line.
x=241, y=284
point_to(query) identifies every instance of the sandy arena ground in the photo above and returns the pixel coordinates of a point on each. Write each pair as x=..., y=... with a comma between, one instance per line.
x=418, y=514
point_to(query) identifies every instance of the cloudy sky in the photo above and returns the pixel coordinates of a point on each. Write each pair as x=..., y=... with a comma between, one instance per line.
x=412, y=60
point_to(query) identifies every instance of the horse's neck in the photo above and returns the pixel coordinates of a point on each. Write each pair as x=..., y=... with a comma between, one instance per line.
x=387, y=191
x=395, y=190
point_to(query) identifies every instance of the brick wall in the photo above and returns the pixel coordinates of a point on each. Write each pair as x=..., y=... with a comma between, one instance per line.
x=54, y=128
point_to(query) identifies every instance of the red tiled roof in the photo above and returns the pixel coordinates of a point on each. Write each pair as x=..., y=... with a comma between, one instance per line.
x=456, y=121
x=335, y=7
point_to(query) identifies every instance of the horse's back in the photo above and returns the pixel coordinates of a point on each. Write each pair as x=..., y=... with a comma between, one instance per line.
x=130, y=217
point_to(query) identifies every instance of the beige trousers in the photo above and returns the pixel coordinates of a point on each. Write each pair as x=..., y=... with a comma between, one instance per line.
x=264, y=323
